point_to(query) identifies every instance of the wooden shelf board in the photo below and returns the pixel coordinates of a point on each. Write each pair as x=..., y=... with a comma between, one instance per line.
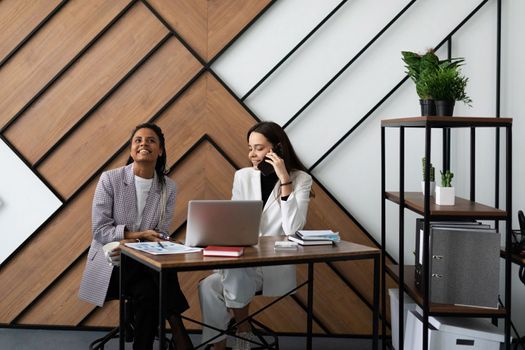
x=463, y=208
x=451, y=122
x=441, y=309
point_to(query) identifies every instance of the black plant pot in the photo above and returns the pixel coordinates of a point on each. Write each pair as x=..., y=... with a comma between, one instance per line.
x=445, y=108
x=428, y=108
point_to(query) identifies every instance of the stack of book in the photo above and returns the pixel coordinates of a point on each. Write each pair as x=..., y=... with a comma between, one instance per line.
x=315, y=237
x=212, y=250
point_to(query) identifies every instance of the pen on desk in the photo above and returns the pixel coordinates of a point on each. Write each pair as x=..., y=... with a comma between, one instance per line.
x=160, y=244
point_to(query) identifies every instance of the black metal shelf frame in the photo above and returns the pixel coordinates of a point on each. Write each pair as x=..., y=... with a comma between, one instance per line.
x=427, y=218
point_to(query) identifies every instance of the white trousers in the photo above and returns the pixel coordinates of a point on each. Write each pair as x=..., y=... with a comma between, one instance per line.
x=224, y=289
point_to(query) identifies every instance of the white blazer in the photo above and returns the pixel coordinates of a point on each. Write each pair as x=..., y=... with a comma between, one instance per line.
x=278, y=218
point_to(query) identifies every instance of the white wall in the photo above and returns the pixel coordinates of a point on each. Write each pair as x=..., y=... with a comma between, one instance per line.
x=352, y=171
x=24, y=207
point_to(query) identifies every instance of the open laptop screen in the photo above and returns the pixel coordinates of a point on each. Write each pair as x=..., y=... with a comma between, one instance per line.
x=223, y=222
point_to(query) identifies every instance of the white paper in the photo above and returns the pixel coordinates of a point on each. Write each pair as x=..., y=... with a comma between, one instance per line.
x=167, y=248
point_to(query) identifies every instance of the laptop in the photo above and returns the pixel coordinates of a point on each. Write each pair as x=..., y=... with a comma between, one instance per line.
x=223, y=222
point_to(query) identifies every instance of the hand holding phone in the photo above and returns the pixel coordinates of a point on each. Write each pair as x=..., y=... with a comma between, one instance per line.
x=267, y=168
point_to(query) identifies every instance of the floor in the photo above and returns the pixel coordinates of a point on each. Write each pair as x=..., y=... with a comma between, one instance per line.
x=25, y=339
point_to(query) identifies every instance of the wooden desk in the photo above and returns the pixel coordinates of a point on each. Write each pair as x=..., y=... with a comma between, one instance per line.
x=262, y=254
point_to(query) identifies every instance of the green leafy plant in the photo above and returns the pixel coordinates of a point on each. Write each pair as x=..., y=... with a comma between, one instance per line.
x=421, y=67
x=446, y=83
x=417, y=64
x=446, y=178
x=432, y=170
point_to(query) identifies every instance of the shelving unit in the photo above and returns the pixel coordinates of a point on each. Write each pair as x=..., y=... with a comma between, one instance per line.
x=423, y=205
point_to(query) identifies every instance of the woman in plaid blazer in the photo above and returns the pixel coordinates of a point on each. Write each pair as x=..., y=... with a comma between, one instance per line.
x=131, y=203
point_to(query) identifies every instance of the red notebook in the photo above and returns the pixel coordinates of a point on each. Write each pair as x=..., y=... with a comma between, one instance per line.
x=213, y=250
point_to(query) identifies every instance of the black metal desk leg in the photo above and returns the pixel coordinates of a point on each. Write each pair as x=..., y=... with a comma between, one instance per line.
x=375, y=320
x=310, y=306
x=123, y=262
x=162, y=309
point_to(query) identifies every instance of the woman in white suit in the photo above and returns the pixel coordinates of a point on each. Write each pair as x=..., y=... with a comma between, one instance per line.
x=278, y=178
x=135, y=203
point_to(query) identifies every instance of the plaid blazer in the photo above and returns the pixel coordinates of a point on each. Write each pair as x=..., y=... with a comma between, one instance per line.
x=115, y=208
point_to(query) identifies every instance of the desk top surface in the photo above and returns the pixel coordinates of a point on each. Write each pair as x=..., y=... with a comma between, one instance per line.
x=259, y=255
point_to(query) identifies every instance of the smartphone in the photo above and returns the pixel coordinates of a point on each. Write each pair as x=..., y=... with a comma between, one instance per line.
x=265, y=167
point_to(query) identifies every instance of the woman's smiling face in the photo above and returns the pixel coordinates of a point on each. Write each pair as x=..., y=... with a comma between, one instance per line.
x=258, y=146
x=145, y=146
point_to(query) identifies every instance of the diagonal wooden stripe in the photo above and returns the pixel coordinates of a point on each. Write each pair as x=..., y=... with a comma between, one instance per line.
x=61, y=306
x=189, y=19
x=227, y=122
x=18, y=19
x=286, y=316
x=226, y=18
x=55, y=45
x=336, y=306
x=140, y=97
x=132, y=37
x=183, y=123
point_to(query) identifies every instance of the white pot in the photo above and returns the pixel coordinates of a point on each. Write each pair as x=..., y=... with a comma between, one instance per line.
x=445, y=195
x=432, y=187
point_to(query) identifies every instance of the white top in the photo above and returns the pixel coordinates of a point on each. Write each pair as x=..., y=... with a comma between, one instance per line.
x=142, y=187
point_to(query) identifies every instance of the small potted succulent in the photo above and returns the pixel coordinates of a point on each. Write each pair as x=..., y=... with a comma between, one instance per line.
x=432, y=178
x=446, y=194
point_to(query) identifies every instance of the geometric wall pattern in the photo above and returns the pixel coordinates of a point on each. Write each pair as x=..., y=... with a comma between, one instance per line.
x=77, y=76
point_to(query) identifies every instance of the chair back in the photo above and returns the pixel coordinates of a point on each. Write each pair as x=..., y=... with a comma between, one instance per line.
x=521, y=221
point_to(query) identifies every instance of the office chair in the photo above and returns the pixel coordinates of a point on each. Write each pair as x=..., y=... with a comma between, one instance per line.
x=129, y=330
x=99, y=343
x=259, y=329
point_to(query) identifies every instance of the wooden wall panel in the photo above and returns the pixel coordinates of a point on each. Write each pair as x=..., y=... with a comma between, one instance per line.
x=336, y=302
x=60, y=306
x=286, y=315
x=227, y=18
x=228, y=122
x=193, y=176
x=18, y=18
x=52, y=261
x=108, y=316
x=189, y=19
x=142, y=96
x=84, y=84
x=50, y=50
x=184, y=121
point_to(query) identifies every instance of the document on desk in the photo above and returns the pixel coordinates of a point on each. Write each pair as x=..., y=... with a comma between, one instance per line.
x=163, y=248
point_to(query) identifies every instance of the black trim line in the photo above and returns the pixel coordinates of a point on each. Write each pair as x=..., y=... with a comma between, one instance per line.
x=342, y=70
x=312, y=32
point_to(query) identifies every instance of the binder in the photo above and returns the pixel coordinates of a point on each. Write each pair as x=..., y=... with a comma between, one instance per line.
x=464, y=265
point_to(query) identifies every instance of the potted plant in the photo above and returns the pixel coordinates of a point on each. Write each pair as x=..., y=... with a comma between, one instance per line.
x=416, y=64
x=446, y=85
x=432, y=178
x=445, y=194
